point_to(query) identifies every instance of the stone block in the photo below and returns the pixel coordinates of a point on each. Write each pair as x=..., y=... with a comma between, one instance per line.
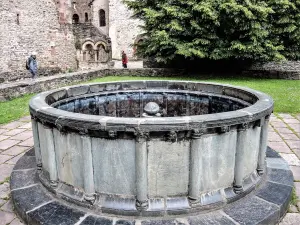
x=292, y=137
x=293, y=144
x=255, y=211
x=276, y=193
x=14, y=132
x=8, y=207
x=92, y=220
x=24, y=178
x=16, y=221
x=3, y=137
x=291, y=219
x=12, y=125
x=284, y=177
x=27, y=143
x=4, y=190
x=22, y=136
x=54, y=213
x=26, y=162
x=5, y=171
x=114, y=166
x=210, y=219
x=167, y=164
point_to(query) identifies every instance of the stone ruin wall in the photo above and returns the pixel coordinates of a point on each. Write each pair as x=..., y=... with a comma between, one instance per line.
x=123, y=30
x=41, y=29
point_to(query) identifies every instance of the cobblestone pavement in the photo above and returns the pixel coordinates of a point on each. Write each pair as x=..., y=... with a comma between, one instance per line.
x=16, y=139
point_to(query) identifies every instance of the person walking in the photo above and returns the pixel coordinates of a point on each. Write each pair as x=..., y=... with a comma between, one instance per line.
x=124, y=59
x=32, y=65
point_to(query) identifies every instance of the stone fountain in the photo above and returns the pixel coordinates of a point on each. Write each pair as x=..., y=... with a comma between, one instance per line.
x=152, y=152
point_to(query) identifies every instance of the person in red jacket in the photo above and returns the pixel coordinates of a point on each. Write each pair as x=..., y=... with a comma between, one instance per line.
x=124, y=59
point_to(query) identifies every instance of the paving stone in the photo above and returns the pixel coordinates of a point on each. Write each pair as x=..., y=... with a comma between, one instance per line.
x=8, y=206
x=258, y=211
x=55, y=213
x=293, y=144
x=286, y=116
x=92, y=220
x=291, y=159
x=28, y=142
x=3, y=137
x=297, y=188
x=2, y=130
x=291, y=219
x=23, y=136
x=290, y=137
x=26, y=126
x=14, y=132
x=15, y=150
x=277, y=194
x=16, y=221
x=23, y=179
x=4, y=190
x=2, y=202
x=14, y=160
x=292, y=120
x=13, y=125
x=296, y=172
x=280, y=147
x=6, y=144
x=25, y=119
x=284, y=130
x=6, y=217
x=273, y=136
x=6, y=170
x=278, y=124
x=280, y=176
x=297, y=152
x=4, y=158
x=293, y=209
x=295, y=127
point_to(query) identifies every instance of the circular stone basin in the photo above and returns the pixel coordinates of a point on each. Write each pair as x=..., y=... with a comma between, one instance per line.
x=204, y=147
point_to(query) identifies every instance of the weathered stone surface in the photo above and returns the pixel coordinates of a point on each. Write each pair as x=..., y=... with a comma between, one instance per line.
x=21, y=179
x=277, y=194
x=29, y=198
x=6, y=144
x=210, y=219
x=291, y=219
x=296, y=172
x=291, y=159
x=6, y=217
x=5, y=171
x=92, y=220
x=280, y=176
x=168, y=162
x=15, y=150
x=258, y=211
x=117, y=175
x=54, y=213
x=26, y=162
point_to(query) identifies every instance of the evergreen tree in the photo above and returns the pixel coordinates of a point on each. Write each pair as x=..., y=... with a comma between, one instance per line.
x=219, y=29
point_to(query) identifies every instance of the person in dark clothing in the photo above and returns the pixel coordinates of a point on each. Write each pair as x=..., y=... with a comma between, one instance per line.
x=124, y=59
x=32, y=65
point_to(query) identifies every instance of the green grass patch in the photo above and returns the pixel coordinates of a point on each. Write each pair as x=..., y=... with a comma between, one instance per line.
x=286, y=93
x=14, y=109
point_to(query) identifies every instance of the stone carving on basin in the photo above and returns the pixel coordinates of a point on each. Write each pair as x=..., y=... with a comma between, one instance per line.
x=151, y=147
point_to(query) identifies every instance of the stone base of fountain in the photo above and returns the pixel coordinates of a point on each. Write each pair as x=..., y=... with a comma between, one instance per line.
x=266, y=204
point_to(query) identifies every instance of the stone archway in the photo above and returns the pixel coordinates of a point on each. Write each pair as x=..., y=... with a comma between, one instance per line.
x=75, y=18
x=101, y=52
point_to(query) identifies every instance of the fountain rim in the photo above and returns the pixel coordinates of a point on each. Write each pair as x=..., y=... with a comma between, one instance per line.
x=262, y=107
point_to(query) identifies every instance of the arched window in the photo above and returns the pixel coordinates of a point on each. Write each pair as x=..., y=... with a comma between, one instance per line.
x=86, y=17
x=102, y=18
x=75, y=18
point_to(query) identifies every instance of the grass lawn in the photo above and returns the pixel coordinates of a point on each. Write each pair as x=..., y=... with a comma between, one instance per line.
x=286, y=93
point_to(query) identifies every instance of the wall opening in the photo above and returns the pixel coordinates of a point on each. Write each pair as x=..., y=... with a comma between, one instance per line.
x=18, y=18
x=102, y=18
x=86, y=16
x=75, y=18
